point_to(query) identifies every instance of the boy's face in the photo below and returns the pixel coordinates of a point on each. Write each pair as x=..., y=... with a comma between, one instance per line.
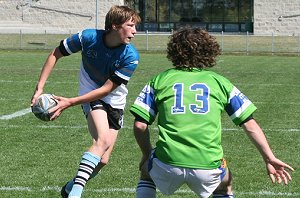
x=126, y=31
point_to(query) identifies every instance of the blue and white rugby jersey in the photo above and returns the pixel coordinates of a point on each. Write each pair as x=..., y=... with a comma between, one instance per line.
x=100, y=63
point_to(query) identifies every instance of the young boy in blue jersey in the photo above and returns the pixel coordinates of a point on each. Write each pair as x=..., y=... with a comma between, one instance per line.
x=188, y=101
x=108, y=62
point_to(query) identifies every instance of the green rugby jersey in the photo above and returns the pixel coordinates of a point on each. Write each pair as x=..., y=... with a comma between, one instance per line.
x=188, y=106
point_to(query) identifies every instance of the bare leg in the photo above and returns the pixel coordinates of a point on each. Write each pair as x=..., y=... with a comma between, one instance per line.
x=225, y=187
x=146, y=187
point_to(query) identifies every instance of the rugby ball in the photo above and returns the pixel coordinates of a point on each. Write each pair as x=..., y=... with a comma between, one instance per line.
x=42, y=106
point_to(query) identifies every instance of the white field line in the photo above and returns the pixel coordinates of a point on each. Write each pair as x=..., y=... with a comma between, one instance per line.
x=28, y=110
x=15, y=188
x=15, y=114
x=32, y=81
x=128, y=127
x=132, y=190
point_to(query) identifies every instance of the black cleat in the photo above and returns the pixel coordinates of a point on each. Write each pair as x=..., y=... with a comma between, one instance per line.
x=63, y=192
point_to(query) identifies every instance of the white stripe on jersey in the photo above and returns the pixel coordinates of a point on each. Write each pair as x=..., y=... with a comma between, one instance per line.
x=67, y=47
x=79, y=35
x=233, y=93
x=122, y=75
x=144, y=106
x=134, y=62
x=241, y=109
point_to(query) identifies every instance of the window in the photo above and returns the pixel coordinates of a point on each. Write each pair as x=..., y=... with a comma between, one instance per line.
x=150, y=11
x=215, y=15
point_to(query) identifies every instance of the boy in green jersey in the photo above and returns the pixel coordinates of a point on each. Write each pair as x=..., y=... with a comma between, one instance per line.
x=188, y=101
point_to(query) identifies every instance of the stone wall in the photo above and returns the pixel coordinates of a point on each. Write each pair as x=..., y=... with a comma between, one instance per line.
x=270, y=16
x=55, y=14
x=277, y=16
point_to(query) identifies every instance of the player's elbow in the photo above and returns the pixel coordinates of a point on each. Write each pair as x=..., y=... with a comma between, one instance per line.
x=56, y=52
x=140, y=126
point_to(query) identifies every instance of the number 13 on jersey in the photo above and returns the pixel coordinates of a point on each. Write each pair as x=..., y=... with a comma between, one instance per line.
x=199, y=91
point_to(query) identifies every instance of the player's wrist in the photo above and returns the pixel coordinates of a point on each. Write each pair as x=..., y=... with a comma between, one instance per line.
x=269, y=159
x=73, y=101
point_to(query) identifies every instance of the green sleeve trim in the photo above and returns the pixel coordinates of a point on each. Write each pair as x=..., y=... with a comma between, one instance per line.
x=143, y=114
x=250, y=110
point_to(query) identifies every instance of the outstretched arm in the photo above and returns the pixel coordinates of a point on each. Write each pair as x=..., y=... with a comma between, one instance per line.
x=275, y=167
x=47, y=68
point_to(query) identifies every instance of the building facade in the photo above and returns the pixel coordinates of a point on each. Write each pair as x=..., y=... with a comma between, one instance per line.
x=236, y=16
x=278, y=17
x=253, y=16
x=213, y=15
x=53, y=15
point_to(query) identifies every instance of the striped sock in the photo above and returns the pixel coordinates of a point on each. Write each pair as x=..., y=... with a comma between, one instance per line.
x=146, y=189
x=94, y=174
x=87, y=165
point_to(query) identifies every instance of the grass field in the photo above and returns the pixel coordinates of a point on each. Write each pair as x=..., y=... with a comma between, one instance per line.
x=37, y=157
x=230, y=43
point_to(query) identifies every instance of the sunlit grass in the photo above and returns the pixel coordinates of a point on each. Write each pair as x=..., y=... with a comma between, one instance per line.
x=42, y=156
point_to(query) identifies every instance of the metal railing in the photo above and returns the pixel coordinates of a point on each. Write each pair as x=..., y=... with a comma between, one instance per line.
x=150, y=41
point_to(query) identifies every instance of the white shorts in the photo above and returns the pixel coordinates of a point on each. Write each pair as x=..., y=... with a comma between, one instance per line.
x=169, y=178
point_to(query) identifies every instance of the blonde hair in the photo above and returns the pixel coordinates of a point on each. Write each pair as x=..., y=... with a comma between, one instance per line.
x=117, y=15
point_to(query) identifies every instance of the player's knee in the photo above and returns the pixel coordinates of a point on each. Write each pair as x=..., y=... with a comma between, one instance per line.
x=225, y=187
x=145, y=175
x=144, y=172
x=103, y=144
x=140, y=125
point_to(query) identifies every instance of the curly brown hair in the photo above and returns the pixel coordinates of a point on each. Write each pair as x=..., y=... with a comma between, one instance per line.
x=192, y=48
